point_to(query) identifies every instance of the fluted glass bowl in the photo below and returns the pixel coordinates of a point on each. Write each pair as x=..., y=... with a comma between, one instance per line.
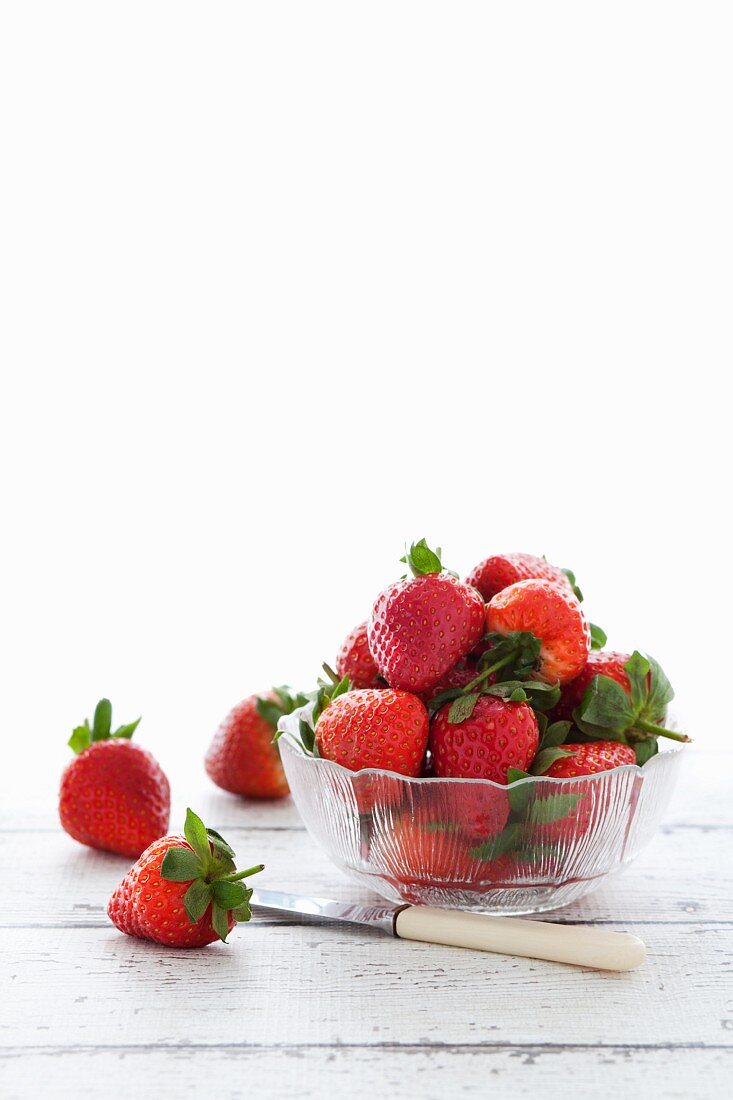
x=474, y=844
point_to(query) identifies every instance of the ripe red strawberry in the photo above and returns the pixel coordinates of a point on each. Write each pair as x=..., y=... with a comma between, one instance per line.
x=498, y=572
x=457, y=677
x=355, y=659
x=421, y=627
x=497, y=736
x=114, y=795
x=242, y=757
x=374, y=729
x=591, y=757
x=184, y=891
x=417, y=853
x=553, y=614
x=601, y=662
x=477, y=810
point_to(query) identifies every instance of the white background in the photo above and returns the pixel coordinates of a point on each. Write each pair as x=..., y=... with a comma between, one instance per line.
x=284, y=285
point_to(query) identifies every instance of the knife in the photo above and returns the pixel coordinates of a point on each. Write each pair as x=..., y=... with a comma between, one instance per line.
x=565, y=943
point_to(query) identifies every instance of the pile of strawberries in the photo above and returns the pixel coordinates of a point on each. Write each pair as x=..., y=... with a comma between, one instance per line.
x=496, y=677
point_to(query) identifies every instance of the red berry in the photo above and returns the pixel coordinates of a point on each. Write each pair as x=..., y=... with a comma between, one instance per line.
x=355, y=659
x=421, y=627
x=499, y=735
x=552, y=614
x=242, y=757
x=600, y=663
x=591, y=757
x=374, y=729
x=414, y=853
x=154, y=900
x=114, y=795
x=498, y=572
x=457, y=677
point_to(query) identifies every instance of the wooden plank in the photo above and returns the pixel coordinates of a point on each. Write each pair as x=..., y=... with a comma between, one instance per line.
x=297, y=1073
x=669, y=881
x=702, y=798
x=315, y=986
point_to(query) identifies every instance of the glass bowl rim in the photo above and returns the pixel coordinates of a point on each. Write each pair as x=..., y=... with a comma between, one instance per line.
x=288, y=739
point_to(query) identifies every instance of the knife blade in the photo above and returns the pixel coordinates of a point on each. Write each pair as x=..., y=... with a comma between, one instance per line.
x=566, y=943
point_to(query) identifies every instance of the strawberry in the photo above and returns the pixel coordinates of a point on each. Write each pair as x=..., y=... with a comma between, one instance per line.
x=422, y=626
x=477, y=810
x=184, y=891
x=553, y=615
x=629, y=712
x=600, y=663
x=242, y=757
x=369, y=728
x=458, y=677
x=114, y=795
x=591, y=757
x=494, y=736
x=355, y=660
x=415, y=852
x=498, y=572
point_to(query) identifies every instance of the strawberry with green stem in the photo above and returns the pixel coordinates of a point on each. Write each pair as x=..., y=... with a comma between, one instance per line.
x=610, y=712
x=184, y=891
x=114, y=795
x=241, y=758
x=422, y=626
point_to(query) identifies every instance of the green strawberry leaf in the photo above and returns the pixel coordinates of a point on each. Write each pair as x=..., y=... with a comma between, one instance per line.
x=546, y=758
x=519, y=796
x=220, y=843
x=181, y=865
x=127, y=731
x=228, y=895
x=605, y=705
x=571, y=577
x=269, y=710
x=444, y=697
x=554, y=734
x=598, y=636
x=421, y=559
x=243, y=913
x=220, y=922
x=196, y=899
x=195, y=832
x=81, y=738
x=645, y=750
x=637, y=669
x=307, y=735
x=660, y=691
x=553, y=807
x=499, y=846
x=462, y=708
x=102, y=720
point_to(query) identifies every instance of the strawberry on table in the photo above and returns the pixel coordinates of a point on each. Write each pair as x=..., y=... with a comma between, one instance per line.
x=114, y=795
x=355, y=659
x=498, y=572
x=242, y=758
x=422, y=626
x=369, y=728
x=184, y=891
x=494, y=736
x=552, y=614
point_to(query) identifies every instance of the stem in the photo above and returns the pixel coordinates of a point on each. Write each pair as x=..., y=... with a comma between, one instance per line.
x=330, y=673
x=650, y=727
x=245, y=874
x=487, y=672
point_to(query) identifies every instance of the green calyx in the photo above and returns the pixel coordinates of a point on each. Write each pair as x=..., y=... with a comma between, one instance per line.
x=209, y=867
x=422, y=560
x=571, y=579
x=326, y=692
x=100, y=729
x=598, y=637
x=608, y=713
x=285, y=702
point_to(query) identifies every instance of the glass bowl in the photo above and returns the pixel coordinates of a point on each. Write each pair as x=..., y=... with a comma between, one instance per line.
x=472, y=843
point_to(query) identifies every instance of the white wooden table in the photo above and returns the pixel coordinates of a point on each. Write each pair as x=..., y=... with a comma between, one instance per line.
x=296, y=1010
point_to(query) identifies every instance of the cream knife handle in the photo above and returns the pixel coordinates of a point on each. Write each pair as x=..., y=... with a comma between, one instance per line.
x=566, y=943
